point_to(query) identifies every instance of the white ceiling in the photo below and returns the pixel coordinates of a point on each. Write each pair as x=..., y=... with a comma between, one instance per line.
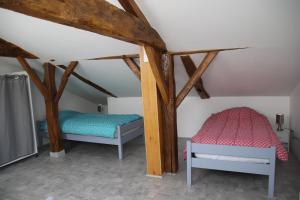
x=270, y=67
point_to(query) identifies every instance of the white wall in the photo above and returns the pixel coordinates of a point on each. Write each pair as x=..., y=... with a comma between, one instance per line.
x=68, y=100
x=295, y=119
x=193, y=111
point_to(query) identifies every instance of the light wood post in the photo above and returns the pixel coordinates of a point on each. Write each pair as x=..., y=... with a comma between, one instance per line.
x=152, y=104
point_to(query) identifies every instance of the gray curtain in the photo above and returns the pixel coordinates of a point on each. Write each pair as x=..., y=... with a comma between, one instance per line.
x=16, y=131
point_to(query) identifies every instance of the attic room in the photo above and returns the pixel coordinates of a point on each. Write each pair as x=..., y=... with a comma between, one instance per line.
x=132, y=99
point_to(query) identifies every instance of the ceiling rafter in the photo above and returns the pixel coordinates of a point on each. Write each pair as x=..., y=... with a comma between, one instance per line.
x=174, y=53
x=102, y=18
x=8, y=49
x=90, y=83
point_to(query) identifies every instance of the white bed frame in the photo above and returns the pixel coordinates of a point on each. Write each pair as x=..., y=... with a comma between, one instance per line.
x=234, y=166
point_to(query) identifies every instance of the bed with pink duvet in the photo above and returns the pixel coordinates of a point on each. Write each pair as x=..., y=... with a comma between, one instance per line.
x=239, y=140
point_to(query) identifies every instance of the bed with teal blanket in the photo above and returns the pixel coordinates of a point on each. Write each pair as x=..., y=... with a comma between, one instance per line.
x=98, y=128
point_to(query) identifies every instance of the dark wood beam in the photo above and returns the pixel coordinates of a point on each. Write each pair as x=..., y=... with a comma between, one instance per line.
x=34, y=77
x=133, y=66
x=198, y=73
x=90, y=83
x=190, y=68
x=131, y=7
x=48, y=90
x=65, y=78
x=115, y=57
x=8, y=49
x=96, y=16
x=178, y=53
x=174, y=53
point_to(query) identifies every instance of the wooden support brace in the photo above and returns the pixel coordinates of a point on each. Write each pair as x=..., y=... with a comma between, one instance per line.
x=90, y=83
x=198, y=73
x=190, y=68
x=133, y=66
x=34, y=77
x=65, y=78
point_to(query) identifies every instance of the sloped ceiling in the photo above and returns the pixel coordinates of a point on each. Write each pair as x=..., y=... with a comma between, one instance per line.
x=270, y=67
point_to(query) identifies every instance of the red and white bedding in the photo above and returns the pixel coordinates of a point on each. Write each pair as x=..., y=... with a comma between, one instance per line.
x=240, y=127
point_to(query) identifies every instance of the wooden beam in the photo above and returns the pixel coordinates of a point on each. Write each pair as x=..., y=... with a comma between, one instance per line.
x=48, y=90
x=34, y=77
x=56, y=143
x=8, y=49
x=115, y=57
x=190, y=68
x=173, y=53
x=131, y=7
x=154, y=57
x=178, y=53
x=190, y=84
x=152, y=119
x=64, y=79
x=170, y=131
x=133, y=66
x=90, y=83
x=96, y=16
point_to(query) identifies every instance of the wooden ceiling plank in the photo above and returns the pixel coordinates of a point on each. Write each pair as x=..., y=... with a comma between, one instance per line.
x=90, y=83
x=95, y=16
x=115, y=57
x=133, y=66
x=190, y=68
x=70, y=69
x=8, y=49
x=178, y=53
x=198, y=73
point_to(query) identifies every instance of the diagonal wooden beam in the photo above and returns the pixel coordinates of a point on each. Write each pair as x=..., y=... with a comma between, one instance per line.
x=131, y=7
x=65, y=79
x=198, y=73
x=90, y=83
x=153, y=54
x=8, y=49
x=155, y=62
x=34, y=77
x=97, y=16
x=190, y=68
x=133, y=66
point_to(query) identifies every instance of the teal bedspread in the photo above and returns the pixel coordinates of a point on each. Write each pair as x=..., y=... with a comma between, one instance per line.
x=90, y=124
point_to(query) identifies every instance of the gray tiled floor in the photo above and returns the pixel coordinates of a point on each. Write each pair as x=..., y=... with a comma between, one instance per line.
x=92, y=171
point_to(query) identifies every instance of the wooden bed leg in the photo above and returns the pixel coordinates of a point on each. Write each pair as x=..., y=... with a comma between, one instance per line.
x=272, y=175
x=120, y=144
x=189, y=163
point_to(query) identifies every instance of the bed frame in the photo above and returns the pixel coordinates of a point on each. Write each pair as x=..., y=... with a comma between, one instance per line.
x=125, y=133
x=233, y=166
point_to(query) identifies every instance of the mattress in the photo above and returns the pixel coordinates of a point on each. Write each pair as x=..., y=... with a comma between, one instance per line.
x=240, y=127
x=72, y=122
x=232, y=158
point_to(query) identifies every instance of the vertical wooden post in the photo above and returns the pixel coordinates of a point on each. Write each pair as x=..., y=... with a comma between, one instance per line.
x=152, y=118
x=171, y=121
x=56, y=144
